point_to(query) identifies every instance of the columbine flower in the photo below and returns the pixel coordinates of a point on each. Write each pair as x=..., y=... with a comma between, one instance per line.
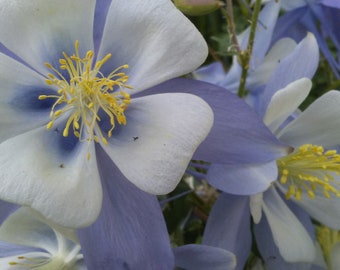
x=263, y=60
x=28, y=241
x=69, y=72
x=321, y=17
x=276, y=219
x=288, y=223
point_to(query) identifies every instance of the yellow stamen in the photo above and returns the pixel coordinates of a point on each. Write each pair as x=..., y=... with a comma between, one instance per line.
x=85, y=93
x=30, y=263
x=327, y=239
x=308, y=168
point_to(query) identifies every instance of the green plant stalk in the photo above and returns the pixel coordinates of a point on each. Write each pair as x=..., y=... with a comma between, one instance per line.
x=245, y=56
x=228, y=12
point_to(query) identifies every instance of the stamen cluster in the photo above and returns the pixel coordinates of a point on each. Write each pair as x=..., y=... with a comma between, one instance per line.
x=308, y=168
x=85, y=93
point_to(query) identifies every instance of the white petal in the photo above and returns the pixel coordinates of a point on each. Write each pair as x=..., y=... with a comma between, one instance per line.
x=289, y=235
x=318, y=124
x=335, y=258
x=24, y=227
x=58, y=182
x=319, y=258
x=29, y=228
x=255, y=204
x=292, y=4
x=41, y=30
x=18, y=84
x=154, y=38
x=159, y=139
x=261, y=74
x=326, y=211
x=285, y=101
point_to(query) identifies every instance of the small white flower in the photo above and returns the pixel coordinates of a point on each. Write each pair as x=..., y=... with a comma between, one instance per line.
x=28, y=241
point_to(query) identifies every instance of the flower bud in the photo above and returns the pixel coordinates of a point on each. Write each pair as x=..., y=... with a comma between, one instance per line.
x=198, y=7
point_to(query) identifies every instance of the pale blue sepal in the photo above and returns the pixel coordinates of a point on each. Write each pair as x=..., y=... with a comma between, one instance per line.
x=203, y=257
x=228, y=227
x=243, y=179
x=130, y=232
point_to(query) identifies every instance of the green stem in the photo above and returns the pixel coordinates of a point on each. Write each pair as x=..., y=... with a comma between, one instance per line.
x=245, y=56
x=228, y=12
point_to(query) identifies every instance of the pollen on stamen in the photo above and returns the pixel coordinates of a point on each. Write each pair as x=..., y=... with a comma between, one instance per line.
x=31, y=263
x=85, y=93
x=308, y=169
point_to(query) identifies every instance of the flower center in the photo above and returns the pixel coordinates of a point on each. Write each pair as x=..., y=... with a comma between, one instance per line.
x=85, y=94
x=308, y=168
x=30, y=263
x=42, y=263
x=66, y=256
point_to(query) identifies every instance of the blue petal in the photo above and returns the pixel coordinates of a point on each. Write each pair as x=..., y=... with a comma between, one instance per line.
x=6, y=209
x=228, y=226
x=331, y=3
x=242, y=179
x=202, y=257
x=326, y=20
x=238, y=135
x=130, y=232
x=213, y=73
x=288, y=25
x=101, y=9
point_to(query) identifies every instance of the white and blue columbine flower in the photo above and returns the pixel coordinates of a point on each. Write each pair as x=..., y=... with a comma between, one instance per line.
x=28, y=241
x=69, y=71
x=306, y=174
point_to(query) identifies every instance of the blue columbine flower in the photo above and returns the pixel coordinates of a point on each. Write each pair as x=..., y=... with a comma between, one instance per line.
x=69, y=72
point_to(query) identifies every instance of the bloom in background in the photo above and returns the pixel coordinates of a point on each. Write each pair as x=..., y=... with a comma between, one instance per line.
x=263, y=60
x=28, y=241
x=97, y=55
x=308, y=177
x=321, y=17
x=198, y=7
x=277, y=106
